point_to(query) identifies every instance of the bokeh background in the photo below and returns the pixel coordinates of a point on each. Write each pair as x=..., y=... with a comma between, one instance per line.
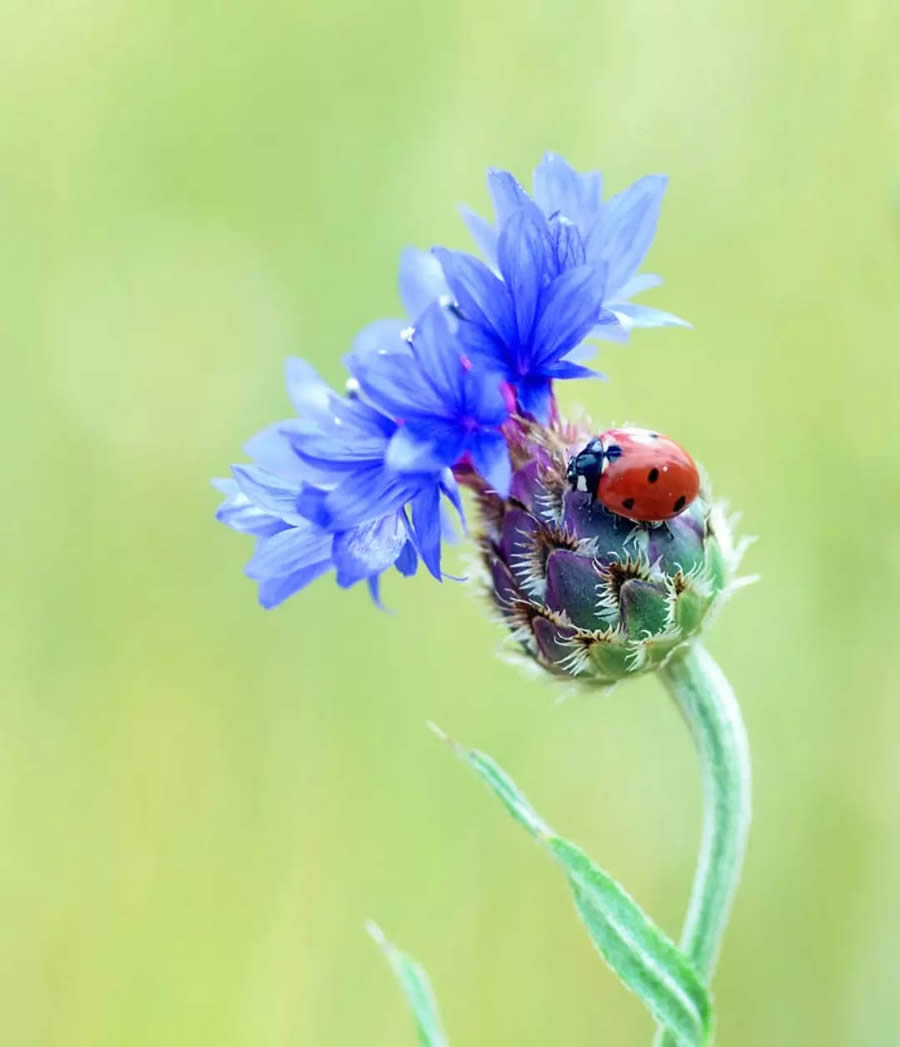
x=200, y=802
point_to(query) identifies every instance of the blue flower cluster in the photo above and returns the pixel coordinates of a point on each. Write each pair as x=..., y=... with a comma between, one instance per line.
x=361, y=483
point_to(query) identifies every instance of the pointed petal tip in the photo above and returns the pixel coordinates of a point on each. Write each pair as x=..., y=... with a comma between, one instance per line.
x=373, y=582
x=409, y=251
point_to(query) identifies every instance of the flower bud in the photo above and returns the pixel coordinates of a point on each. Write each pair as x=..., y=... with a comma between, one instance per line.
x=587, y=593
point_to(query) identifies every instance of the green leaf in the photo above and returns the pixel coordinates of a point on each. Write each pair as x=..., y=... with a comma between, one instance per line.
x=502, y=785
x=645, y=959
x=415, y=984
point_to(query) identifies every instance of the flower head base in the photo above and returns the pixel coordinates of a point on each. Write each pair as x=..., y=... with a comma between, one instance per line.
x=585, y=592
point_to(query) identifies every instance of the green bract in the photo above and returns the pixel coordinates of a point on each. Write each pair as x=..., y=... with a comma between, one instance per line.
x=589, y=594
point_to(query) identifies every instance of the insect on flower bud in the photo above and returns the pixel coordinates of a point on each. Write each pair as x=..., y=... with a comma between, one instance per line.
x=587, y=592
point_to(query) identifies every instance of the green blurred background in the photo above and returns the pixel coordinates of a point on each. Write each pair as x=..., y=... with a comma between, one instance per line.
x=200, y=802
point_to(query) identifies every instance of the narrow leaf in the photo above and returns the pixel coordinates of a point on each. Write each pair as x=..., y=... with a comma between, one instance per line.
x=416, y=986
x=501, y=784
x=640, y=953
x=646, y=960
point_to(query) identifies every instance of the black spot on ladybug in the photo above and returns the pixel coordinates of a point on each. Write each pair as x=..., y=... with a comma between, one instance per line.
x=629, y=503
x=613, y=451
x=654, y=436
x=679, y=504
x=653, y=475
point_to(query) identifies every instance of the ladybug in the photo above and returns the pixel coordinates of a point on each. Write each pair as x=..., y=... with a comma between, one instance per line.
x=637, y=473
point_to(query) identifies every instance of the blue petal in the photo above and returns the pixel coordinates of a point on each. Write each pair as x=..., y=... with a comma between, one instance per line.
x=483, y=398
x=568, y=310
x=507, y=194
x=327, y=454
x=482, y=297
x=426, y=521
x=362, y=419
x=557, y=187
x=268, y=492
x=225, y=485
x=440, y=356
x=569, y=369
x=534, y=397
x=629, y=227
x=368, y=549
x=646, y=316
x=356, y=434
x=525, y=255
x=451, y=489
x=609, y=328
x=311, y=504
x=271, y=450
x=636, y=284
x=408, y=561
x=343, y=417
x=404, y=516
x=582, y=352
x=366, y=494
x=425, y=445
x=311, y=396
x=374, y=584
x=482, y=232
x=349, y=433
x=240, y=514
x=398, y=385
x=386, y=335
x=488, y=349
x=568, y=246
x=288, y=551
x=420, y=281
x=273, y=591
x=490, y=456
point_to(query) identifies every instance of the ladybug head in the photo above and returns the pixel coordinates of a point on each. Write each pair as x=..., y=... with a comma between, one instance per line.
x=586, y=467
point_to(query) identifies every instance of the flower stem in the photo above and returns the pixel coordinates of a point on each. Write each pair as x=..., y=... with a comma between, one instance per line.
x=710, y=710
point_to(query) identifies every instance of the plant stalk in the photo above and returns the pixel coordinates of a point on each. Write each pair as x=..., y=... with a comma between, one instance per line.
x=710, y=710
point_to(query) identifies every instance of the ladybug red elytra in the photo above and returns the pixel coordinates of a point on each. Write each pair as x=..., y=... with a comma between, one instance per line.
x=638, y=473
